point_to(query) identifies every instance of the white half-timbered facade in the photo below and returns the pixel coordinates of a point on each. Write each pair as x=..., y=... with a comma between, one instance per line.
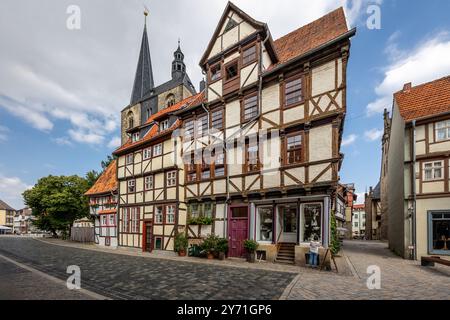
x=262, y=151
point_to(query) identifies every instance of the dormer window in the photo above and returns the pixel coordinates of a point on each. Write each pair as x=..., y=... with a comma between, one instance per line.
x=135, y=137
x=164, y=125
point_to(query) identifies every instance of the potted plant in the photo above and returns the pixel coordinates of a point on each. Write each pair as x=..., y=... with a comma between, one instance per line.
x=209, y=246
x=222, y=248
x=181, y=244
x=251, y=246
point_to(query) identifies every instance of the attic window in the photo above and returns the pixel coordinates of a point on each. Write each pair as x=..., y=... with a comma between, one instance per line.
x=164, y=125
x=230, y=25
x=135, y=137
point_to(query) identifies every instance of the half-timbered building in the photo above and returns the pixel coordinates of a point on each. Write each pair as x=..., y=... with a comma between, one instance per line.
x=262, y=151
x=103, y=207
x=416, y=167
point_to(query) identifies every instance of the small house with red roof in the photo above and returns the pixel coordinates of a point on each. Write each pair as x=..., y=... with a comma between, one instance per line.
x=103, y=207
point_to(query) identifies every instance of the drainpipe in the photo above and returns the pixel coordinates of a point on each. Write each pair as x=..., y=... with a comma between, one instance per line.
x=260, y=67
x=413, y=188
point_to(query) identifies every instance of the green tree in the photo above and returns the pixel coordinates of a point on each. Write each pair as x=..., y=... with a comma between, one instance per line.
x=57, y=201
x=92, y=177
x=335, y=244
x=107, y=162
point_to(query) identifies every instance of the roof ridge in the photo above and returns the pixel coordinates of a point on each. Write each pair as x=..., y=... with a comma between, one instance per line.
x=310, y=23
x=423, y=84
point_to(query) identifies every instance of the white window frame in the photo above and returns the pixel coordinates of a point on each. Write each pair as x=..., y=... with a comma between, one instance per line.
x=135, y=220
x=433, y=169
x=129, y=158
x=147, y=153
x=148, y=180
x=159, y=215
x=170, y=215
x=171, y=181
x=131, y=183
x=112, y=220
x=157, y=150
x=164, y=125
x=442, y=126
x=135, y=137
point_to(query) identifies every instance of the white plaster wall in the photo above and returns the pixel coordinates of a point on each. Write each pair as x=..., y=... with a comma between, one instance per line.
x=320, y=143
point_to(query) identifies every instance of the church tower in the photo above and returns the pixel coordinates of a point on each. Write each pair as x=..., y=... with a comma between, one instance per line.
x=178, y=66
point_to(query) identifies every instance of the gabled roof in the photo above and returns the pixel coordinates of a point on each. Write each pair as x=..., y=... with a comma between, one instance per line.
x=377, y=192
x=106, y=183
x=426, y=100
x=143, y=81
x=311, y=36
x=230, y=7
x=5, y=206
x=154, y=132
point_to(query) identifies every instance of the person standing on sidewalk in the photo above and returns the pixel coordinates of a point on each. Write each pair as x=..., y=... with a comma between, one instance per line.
x=314, y=251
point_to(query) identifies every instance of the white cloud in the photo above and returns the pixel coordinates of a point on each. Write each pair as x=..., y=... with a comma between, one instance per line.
x=349, y=140
x=3, y=133
x=83, y=136
x=63, y=141
x=427, y=62
x=373, y=134
x=114, y=143
x=11, y=189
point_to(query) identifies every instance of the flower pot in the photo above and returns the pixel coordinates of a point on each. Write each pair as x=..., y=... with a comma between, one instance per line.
x=251, y=257
x=182, y=253
x=221, y=255
x=210, y=256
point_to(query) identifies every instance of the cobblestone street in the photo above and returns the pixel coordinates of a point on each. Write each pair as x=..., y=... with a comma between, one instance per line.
x=400, y=279
x=127, y=277
x=124, y=276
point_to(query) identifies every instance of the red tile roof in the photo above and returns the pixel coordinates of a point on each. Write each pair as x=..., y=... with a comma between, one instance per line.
x=109, y=211
x=311, y=36
x=359, y=206
x=429, y=99
x=154, y=131
x=106, y=183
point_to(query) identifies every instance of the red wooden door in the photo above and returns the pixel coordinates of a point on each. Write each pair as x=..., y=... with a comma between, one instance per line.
x=237, y=230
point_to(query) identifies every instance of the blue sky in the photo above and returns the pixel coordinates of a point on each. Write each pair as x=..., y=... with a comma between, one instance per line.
x=61, y=92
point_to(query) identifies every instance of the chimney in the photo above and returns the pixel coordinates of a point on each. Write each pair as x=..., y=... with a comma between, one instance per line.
x=202, y=85
x=407, y=87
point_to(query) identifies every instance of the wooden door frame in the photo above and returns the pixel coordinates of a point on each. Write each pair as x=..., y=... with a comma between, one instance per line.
x=230, y=217
x=144, y=236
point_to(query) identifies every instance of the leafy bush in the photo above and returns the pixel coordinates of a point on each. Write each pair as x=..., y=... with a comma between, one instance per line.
x=209, y=245
x=181, y=242
x=200, y=221
x=222, y=245
x=251, y=245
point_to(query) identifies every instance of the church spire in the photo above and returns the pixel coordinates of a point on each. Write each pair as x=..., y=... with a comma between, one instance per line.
x=178, y=66
x=143, y=82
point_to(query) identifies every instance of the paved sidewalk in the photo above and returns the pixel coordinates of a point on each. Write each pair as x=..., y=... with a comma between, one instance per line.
x=400, y=279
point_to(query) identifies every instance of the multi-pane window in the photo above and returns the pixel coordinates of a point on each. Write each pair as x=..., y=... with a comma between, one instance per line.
x=129, y=158
x=250, y=105
x=189, y=128
x=149, y=183
x=252, y=157
x=191, y=171
x=293, y=92
x=443, y=130
x=104, y=220
x=147, y=153
x=131, y=186
x=202, y=125
x=112, y=220
x=294, y=148
x=249, y=55
x=159, y=215
x=135, y=217
x=433, y=170
x=196, y=210
x=135, y=137
x=157, y=150
x=125, y=220
x=171, y=178
x=207, y=209
x=216, y=72
x=217, y=119
x=219, y=172
x=206, y=171
x=170, y=214
x=164, y=125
